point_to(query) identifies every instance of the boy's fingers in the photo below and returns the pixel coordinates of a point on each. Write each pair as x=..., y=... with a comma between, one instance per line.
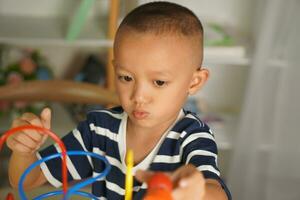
x=181, y=172
x=14, y=145
x=30, y=133
x=143, y=176
x=192, y=184
x=43, y=121
x=20, y=148
x=178, y=193
x=32, y=119
x=22, y=137
x=26, y=141
x=181, y=189
x=46, y=117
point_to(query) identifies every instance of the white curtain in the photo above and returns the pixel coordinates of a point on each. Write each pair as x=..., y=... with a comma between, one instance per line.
x=266, y=156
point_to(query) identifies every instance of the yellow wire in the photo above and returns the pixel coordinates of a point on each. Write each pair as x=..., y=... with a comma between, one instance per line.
x=129, y=176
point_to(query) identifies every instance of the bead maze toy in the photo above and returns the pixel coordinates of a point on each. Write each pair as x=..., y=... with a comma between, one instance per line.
x=160, y=186
x=66, y=192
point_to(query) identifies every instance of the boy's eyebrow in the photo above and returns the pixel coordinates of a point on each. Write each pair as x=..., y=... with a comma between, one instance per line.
x=153, y=72
x=119, y=66
x=161, y=73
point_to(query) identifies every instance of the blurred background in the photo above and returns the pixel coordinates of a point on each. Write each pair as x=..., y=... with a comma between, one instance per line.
x=251, y=101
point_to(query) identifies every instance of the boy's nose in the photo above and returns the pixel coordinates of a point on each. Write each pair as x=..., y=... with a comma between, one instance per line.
x=140, y=94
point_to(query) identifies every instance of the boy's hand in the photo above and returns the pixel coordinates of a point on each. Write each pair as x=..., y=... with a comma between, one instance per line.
x=188, y=182
x=29, y=141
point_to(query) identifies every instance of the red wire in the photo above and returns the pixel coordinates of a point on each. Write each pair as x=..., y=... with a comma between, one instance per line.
x=53, y=136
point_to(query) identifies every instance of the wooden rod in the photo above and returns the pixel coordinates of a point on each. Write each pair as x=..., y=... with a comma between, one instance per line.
x=59, y=91
x=112, y=27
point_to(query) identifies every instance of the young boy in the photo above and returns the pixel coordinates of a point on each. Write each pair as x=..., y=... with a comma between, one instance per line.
x=158, y=53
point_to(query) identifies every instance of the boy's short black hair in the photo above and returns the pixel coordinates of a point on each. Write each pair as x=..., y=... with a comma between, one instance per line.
x=163, y=17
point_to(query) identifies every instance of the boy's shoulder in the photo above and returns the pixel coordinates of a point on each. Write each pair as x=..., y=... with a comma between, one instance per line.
x=191, y=123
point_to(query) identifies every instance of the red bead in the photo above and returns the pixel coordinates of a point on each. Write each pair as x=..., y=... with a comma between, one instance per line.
x=160, y=180
x=159, y=187
x=10, y=196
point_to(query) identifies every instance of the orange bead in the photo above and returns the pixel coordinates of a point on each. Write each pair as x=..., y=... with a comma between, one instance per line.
x=160, y=180
x=158, y=194
x=159, y=187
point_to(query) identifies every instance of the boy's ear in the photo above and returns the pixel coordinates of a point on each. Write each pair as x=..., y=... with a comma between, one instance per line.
x=200, y=77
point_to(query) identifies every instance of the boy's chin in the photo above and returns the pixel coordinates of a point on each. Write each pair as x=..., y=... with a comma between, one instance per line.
x=145, y=123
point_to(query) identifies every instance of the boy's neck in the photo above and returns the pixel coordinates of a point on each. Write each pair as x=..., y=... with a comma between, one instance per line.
x=143, y=140
x=144, y=133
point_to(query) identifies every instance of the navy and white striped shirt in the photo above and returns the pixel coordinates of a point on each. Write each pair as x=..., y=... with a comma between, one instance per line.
x=188, y=140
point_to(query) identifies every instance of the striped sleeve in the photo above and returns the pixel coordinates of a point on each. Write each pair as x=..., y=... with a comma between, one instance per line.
x=200, y=149
x=79, y=167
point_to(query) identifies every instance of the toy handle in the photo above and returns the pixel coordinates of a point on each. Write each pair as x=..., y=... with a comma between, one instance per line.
x=159, y=187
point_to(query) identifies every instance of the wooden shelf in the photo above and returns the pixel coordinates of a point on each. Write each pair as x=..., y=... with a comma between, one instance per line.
x=16, y=30
x=32, y=31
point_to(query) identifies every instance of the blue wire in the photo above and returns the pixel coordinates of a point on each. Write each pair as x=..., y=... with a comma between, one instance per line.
x=60, y=192
x=75, y=188
x=89, y=181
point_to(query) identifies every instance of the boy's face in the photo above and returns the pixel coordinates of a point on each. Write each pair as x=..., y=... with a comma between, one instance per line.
x=155, y=74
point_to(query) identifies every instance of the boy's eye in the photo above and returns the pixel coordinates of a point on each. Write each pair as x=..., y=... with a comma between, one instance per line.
x=159, y=83
x=125, y=78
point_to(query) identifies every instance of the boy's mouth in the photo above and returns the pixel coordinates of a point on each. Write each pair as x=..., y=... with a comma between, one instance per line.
x=140, y=114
